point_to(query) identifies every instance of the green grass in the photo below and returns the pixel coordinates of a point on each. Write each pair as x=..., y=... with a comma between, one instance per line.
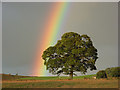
x=57, y=78
x=45, y=78
x=39, y=78
x=85, y=81
x=17, y=77
x=85, y=76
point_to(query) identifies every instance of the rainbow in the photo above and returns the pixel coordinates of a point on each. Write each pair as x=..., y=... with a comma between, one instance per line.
x=51, y=30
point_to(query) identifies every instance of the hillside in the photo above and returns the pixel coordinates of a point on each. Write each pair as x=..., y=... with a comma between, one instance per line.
x=12, y=77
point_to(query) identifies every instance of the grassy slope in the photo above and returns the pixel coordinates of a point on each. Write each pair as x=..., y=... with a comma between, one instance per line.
x=12, y=77
x=18, y=77
x=55, y=82
x=56, y=78
x=81, y=83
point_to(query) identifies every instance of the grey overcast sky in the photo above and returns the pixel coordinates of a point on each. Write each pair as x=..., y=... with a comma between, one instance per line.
x=60, y=0
x=22, y=23
x=0, y=38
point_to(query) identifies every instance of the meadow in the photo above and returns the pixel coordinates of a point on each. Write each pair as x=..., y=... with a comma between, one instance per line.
x=86, y=81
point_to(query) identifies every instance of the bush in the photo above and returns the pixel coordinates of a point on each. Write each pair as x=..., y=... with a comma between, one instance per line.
x=113, y=72
x=108, y=72
x=101, y=74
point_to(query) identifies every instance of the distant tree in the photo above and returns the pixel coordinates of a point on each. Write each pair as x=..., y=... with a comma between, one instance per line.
x=108, y=72
x=113, y=72
x=73, y=53
x=16, y=74
x=101, y=74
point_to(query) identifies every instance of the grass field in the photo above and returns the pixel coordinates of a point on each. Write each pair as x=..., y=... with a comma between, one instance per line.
x=56, y=78
x=59, y=82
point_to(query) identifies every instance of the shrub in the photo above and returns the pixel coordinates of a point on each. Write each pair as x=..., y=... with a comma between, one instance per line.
x=113, y=72
x=101, y=74
x=108, y=72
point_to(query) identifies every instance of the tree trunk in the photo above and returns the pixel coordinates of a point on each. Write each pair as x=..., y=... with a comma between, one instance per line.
x=71, y=75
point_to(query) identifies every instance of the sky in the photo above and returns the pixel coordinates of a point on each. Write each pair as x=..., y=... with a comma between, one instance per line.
x=0, y=37
x=60, y=0
x=23, y=24
x=0, y=44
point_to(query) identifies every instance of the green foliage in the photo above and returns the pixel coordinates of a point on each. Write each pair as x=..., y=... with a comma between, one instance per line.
x=108, y=72
x=72, y=53
x=101, y=74
x=113, y=72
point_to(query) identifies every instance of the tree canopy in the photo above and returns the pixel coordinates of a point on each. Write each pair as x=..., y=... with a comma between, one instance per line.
x=73, y=53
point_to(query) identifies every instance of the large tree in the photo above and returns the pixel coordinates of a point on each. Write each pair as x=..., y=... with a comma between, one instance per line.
x=73, y=53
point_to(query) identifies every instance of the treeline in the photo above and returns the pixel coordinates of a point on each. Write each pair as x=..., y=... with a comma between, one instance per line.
x=109, y=72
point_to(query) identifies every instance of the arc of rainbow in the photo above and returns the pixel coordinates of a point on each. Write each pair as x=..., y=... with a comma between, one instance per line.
x=52, y=28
